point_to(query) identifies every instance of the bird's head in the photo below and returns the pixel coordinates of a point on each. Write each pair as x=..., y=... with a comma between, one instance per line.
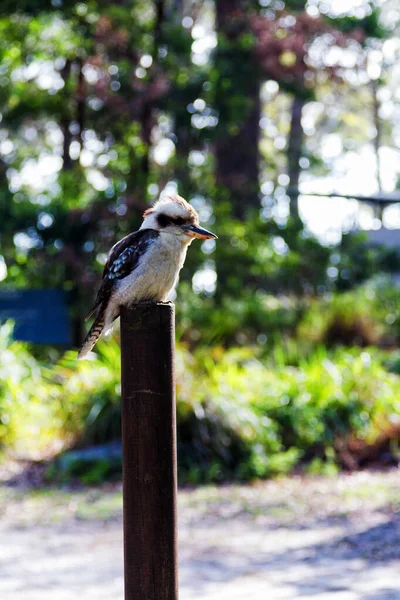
x=172, y=214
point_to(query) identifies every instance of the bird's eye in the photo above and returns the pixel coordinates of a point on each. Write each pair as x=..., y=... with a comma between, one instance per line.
x=163, y=220
x=179, y=221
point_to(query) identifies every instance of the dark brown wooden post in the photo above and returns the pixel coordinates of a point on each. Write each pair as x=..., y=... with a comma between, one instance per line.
x=149, y=452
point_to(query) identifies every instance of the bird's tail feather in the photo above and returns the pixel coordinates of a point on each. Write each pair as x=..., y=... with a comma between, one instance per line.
x=93, y=335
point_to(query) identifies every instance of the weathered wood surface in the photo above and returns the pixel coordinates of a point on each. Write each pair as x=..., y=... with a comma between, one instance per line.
x=149, y=452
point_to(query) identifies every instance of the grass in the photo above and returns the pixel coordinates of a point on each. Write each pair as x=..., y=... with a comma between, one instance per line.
x=49, y=506
x=286, y=500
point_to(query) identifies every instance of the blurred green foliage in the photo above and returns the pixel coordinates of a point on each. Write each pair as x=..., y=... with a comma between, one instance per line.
x=256, y=416
x=267, y=276
x=365, y=316
x=24, y=399
x=102, y=106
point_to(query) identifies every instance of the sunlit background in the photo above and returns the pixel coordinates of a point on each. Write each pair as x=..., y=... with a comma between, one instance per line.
x=70, y=86
x=279, y=122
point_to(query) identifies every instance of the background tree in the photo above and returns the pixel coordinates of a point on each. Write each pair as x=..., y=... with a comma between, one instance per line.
x=103, y=105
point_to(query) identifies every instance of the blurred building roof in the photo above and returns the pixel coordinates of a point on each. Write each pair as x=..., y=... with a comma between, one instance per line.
x=385, y=237
x=40, y=316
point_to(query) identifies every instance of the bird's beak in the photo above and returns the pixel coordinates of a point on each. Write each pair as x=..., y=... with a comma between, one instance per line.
x=199, y=232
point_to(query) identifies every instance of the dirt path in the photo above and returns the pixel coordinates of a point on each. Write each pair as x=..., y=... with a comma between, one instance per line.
x=293, y=539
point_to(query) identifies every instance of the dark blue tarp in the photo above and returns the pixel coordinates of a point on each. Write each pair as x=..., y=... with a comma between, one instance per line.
x=40, y=316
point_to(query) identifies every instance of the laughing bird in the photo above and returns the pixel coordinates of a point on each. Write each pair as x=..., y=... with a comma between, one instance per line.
x=144, y=266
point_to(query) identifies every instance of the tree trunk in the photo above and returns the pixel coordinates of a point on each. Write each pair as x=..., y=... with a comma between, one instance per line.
x=378, y=138
x=294, y=150
x=80, y=102
x=378, y=129
x=65, y=120
x=377, y=142
x=239, y=107
x=226, y=9
x=138, y=178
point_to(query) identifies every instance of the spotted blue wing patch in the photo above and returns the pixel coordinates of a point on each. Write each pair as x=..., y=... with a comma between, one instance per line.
x=122, y=266
x=124, y=257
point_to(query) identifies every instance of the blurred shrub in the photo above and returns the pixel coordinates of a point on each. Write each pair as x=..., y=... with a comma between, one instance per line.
x=235, y=321
x=365, y=316
x=23, y=400
x=392, y=362
x=333, y=399
x=87, y=395
x=238, y=416
x=315, y=410
x=221, y=434
x=264, y=276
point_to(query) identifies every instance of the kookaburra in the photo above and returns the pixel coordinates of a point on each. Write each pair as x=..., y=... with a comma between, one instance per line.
x=144, y=266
